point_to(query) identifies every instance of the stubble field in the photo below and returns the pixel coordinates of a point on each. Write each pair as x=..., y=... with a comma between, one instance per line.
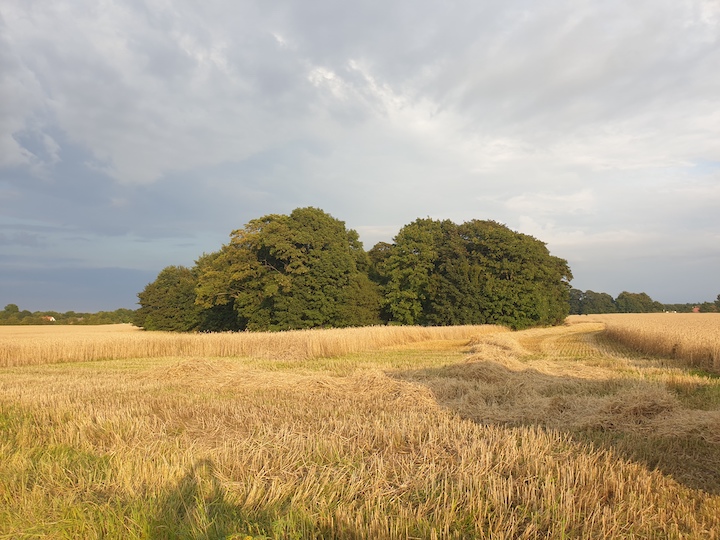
x=468, y=432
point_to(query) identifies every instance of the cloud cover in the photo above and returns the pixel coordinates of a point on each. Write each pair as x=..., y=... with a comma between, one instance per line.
x=138, y=134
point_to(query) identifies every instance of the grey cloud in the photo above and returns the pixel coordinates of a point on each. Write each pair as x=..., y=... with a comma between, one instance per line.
x=160, y=127
x=21, y=238
x=80, y=199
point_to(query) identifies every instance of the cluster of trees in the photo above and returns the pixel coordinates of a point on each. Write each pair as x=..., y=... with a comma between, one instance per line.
x=588, y=302
x=307, y=270
x=12, y=314
x=702, y=307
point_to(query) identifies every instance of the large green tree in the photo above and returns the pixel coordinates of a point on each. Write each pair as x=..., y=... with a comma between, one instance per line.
x=406, y=269
x=10, y=314
x=587, y=302
x=282, y=272
x=440, y=273
x=168, y=303
x=628, y=302
x=575, y=298
x=598, y=302
x=708, y=307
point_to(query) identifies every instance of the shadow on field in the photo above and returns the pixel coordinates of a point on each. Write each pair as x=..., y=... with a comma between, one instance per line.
x=637, y=420
x=196, y=507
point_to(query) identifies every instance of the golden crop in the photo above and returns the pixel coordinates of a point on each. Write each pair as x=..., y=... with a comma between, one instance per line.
x=411, y=433
x=25, y=345
x=693, y=338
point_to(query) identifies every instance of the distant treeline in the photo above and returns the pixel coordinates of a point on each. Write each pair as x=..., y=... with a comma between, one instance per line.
x=306, y=270
x=588, y=302
x=12, y=314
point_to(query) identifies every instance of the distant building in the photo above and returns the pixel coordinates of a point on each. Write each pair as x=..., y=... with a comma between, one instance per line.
x=696, y=309
x=48, y=318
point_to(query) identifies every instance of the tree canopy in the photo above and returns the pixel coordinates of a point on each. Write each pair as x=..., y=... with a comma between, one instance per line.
x=307, y=270
x=12, y=315
x=283, y=272
x=588, y=302
x=479, y=272
x=628, y=302
x=168, y=303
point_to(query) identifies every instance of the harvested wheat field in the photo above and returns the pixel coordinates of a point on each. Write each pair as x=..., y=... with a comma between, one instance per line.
x=469, y=432
x=693, y=338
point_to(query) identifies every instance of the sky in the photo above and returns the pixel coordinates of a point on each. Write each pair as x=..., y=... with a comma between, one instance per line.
x=139, y=134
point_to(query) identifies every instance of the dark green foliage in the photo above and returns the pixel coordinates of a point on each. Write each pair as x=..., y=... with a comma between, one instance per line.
x=480, y=272
x=708, y=307
x=704, y=307
x=11, y=309
x=575, y=300
x=306, y=270
x=104, y=317
x=377, y=256
x=218, y=316
x=627, y=302
x=595, y=302
x=406, y=269
x=12, y=315
x=588, y=302
x=168, y=303
x=679, y=308
x=282, y=272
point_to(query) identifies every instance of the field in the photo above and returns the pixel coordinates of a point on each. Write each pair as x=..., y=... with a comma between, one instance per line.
x=693, y=338
x=387, y=432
